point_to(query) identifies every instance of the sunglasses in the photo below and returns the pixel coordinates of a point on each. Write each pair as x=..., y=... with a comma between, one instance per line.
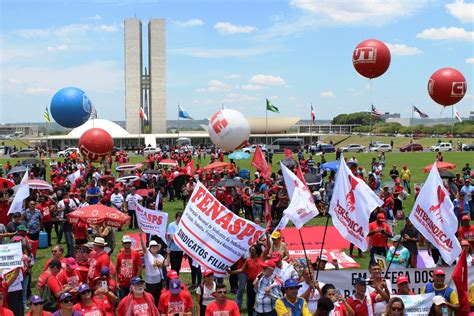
x=86, y=291
x=397, y=309
x=67, y=301
x=222, y=292
x=54, y=251
x=37, y=304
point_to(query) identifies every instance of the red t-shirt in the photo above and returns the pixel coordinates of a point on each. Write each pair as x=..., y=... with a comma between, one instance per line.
x=96, y=262
x=105, y=305
x=93, y=310
x=467, y=233
x=254, y=268
x=6, y=312
x=4, y=218
x=139, y=306
x=362, y=307
x=53, y=283
x=44, y=209
x=229, y=308
x=340, y=310
x=63, y=263
x=379, y=239
x=73, y=278
x=4, y=290
x=175, y=303
x=127, y=266
x=80, y=230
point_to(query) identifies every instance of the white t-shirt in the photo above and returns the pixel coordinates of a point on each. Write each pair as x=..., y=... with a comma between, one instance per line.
x=72, y=204
x=207, y=297
x=314, y=296
x=286, y=272
x=117, y=200
x=379, y=307
x=153, y=274
x=132, y=201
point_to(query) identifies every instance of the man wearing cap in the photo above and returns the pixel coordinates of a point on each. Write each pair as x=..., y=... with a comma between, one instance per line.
x=86, y=305
x=279, y=246
x=70, y=276
x=403, y=285
x=131, y=202
x=267, y=289
x=379, y=231
x=128, y=265
x=291, y=304
x=363, y=303
x=466, y=230
x=283, y=270
x=439, y=287
x=49, y=279
x=97, y=259
x=67, y=306
x=221, y=305
x=175, y=300
x=397, y=254
x=36, y=307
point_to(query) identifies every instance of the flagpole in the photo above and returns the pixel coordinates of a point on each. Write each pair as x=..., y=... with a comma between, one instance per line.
x=391, y=260
x=139, y=134
x=178, y=120
x=452, y=122
x=266, y=125
x=308, y=263
x=322, y=244
x=412, y=118
x=371, y=106
x=311, y=129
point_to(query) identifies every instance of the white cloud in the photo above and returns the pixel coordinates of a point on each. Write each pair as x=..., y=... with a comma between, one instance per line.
x=267, y=80
x=238, y=98
x=470, y=60
x=108, y=28
x=203, y=52
x=215, y=86
x=403, y=50
x=251, y=87
x=66, y=31
x=461, y=10
x=188, y=23
x=93, y=18
x=359, y=12
x=38, y=90
x=327, y=94
x=447, y=33
x=229, y=28
x=232, y=76
x=57, y=48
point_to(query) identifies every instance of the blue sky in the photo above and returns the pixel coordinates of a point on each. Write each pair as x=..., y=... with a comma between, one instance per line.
x=236, y=53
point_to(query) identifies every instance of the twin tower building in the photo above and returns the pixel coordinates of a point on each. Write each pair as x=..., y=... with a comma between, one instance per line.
x=145, y=84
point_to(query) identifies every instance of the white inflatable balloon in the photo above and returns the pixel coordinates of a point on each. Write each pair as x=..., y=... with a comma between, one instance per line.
x=229, y=129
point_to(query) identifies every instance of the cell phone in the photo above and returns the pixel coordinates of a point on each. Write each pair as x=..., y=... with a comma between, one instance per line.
x=104, y=284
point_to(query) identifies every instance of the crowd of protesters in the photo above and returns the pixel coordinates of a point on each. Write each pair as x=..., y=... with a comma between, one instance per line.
x=83, y=280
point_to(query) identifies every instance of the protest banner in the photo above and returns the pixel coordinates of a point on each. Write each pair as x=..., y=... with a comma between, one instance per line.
x=152, y=221
x=343, y=279
x=211, y=234
x=11, y=256
x=417, y=305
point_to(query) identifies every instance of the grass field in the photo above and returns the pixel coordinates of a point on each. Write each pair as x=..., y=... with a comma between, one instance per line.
x=415, y=162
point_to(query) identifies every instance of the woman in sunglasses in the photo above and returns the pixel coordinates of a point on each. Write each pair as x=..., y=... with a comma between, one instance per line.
x=36, y=305
x=395, y=307
x=67, y=306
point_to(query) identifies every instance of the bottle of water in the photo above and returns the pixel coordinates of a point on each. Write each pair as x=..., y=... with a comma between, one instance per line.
x=445, y=311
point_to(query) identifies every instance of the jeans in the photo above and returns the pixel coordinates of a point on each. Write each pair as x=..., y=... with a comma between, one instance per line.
x=25, y=285
x=176, y=257
x=242, y=277
x=250, y=297
x=68, y=234
x=155, y=290
x=60, y=233
x=133, y=219
x=48, y=228
x=196, y=273
x=257, y=211
x=406, y=186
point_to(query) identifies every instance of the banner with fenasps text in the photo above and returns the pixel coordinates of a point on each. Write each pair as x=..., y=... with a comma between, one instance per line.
x=211, y=234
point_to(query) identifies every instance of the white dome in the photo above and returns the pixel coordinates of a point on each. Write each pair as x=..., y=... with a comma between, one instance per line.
x=115, y=130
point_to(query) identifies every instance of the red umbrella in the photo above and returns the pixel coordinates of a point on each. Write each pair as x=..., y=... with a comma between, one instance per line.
x=441, y=166
x=168, y=162
x=217, y=166
x=144, y=192
x=39, y=184
x=97, y=214
x=5, y=182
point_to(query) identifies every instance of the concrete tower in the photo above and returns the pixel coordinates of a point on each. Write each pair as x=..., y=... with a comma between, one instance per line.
x=139, y=83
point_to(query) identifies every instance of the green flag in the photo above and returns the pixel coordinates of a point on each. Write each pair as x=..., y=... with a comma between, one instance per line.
x=46, y=115
x=271, y=107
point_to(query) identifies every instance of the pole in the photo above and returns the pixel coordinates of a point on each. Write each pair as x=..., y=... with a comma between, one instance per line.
x=308, y=263
x=371, y=105
x=178, y=120
x=322, y=243
x=452, y=122
x=311, y=129
x=391, y=260
x=412, y=126
x=266, y=126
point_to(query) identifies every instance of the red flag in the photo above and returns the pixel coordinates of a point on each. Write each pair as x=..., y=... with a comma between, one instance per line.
x=459, y=277
x=268, y=211
x=288, y=153
x=300, y=176
x=259, y=162
x=190, y=168
x=142, y=114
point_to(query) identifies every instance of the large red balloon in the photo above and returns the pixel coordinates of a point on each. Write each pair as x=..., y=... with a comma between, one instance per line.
x=371, y=58
x=447, y=86
x=96, y=144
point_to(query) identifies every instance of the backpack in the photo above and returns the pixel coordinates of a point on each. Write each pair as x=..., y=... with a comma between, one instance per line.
x=49, y=300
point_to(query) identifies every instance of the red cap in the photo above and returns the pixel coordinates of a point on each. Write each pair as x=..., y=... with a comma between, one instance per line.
x=269, y=264
x=71, y=262
x=439, y=272
x=464, y=242
x=66, y=200
x=402, y=279
x=381, y=216
x=466, y=218
x=208, y=272
x=172, y=274
x=276, y=256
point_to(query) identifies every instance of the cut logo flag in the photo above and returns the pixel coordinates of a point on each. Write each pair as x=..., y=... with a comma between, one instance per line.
x=21, y=194
x=460, y=279
x=434, y=218
x=301, y=208
x=375, y=112
x=182, y=113
x=142, y=114
x=259, y=162
x=457, y=115
x=351, y=205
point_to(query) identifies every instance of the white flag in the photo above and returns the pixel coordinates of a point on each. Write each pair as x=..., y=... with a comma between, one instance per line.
x=351, y=205
x=152, y=221
x=434, y=218
x=157, y=201
x=22, y=193
x=457, y=115
x=74, y=176
x=301, y=208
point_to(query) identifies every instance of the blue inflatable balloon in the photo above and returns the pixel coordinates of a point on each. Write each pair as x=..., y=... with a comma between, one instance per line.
x=71, y=107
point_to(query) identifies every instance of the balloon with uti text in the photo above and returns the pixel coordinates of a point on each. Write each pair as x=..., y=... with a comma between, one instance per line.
x=447, y=86
x=229, y=129
x=371, y=58
x=71, y=107
x=96, y=144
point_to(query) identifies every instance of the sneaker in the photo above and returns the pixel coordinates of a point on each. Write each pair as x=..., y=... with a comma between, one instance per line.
x=361, y=255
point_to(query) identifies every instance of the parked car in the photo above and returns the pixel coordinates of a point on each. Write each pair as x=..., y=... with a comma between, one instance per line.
x=67, y=152
x=411, y=147
x=356, y=148
x=26, y=152
x=469, y=147
x=251, y=148
x=442, y=147
x=381, y=148
x=150, y=150
x=323, y=148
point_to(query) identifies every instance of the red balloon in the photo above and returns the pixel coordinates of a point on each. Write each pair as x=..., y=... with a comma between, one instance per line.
x=371, y=58
x=96, y=144
x=447, y=86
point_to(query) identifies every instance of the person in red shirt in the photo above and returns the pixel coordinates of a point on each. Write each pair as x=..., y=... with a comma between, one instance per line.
x=70, y=276
x=404, y=286
x=128, y=265
x=3, y=310
x=87, y=306
x=98, y=259
x=58, y=254
x=341, y=307
x=44, y=206
x=466, y=230
x=363, y=304
x=138, y=302
x=103, y=296
x=36, y=307
x=4, y=285
x=380, y=232
x=48, y=278
x=221, y=305
x=175, y=301
x=80, y=232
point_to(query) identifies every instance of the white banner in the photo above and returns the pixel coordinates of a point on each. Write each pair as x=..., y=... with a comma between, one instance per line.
x=11, y=256
x=351, y=205
x=417, y=305
x=152, y=221
x=433, y=216
x=211, y=234
x=343, y=279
